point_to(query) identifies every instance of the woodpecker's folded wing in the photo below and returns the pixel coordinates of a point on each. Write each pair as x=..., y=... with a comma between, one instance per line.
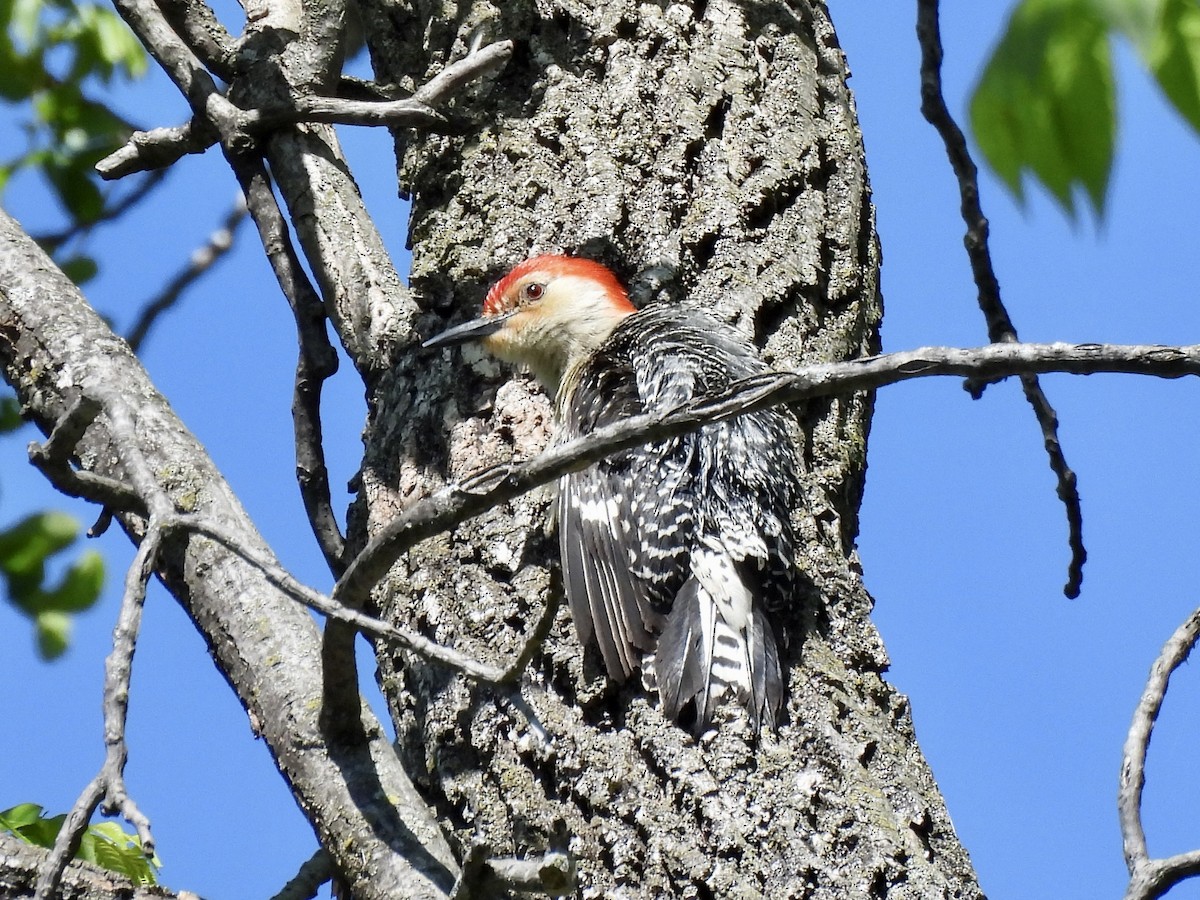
x=607, y=603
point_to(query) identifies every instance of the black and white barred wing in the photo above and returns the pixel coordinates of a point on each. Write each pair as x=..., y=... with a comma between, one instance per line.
x=598, y=536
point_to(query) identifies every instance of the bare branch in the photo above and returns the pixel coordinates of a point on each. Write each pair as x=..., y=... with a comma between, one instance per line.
x=180, y=64
x=458, y=502
x=199, y=26
x=163, y=146
x=404, y=113
x=53, y=459
x=203, y=259
x=108, y=787
x=1150, y=878
x=52, y=242
x=999, y=324
x=316, y=362
x=363, y=805
x=57, y=449
x=157, y=149
x=82, y=881
x=552, y=875
x=317, y=359
x=329, y=607
x=166, y=520
x=1155, y=877
x=456, y=76
x=316, y=871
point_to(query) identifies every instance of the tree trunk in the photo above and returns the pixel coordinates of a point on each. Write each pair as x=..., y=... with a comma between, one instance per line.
x=709, y=153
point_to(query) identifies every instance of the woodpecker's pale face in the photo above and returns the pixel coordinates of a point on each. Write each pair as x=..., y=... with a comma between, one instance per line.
x=548, y=313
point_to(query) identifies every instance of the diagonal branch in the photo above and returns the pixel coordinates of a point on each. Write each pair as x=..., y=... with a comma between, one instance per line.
x=317, y=360
x=198, y=25
x=362, y=804
x=999, y=324
x=458, y=502
x=203, y=259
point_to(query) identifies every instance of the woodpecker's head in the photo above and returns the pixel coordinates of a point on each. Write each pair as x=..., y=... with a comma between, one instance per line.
x=547, y=313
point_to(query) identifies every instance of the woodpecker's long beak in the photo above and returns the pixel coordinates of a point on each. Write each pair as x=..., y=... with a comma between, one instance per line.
x=469, y=331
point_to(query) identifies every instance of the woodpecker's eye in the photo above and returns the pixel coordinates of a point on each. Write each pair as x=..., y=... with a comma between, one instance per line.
x=532, y=292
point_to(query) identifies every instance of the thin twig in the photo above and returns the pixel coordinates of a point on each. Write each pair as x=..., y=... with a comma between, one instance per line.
x=66, y=844
x=118, y=666
x=51, y=242
x=999, y=324
x=67, y=431
x=163, y=146
x=458, y=75
x=329, y=607
x=316, y=362
x=203, y=258
x=406, y=112
x=455, y=504
x=534, y=641
x=552, y=874
x=180, y=64
x=53, y=459
x=157, y=149
x=108, y=787
x=1150, y=878
x=71, y=482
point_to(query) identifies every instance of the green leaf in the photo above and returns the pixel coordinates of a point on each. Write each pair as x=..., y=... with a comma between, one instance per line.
x=1045, y=103
x=80, y=269
x=116, y=850
x=1173, y=56
x=25, y=546
x=25, y=19
x=24, y=550
x=10, y=414
x=22, y=73
x=19, y=816
x=40, y=832
x=79, y=590
x=106, y=844
x=75, y=188
x=53, y=633
x=117, y=45
x=80, y=587
x=101, y=42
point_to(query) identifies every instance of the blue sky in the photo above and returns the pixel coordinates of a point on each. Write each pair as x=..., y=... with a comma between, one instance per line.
x=1021, y=698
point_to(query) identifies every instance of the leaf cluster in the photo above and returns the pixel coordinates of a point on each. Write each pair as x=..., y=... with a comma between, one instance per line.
x=104, y=844
x=51, y=53
x=1046, y=105
x=25, y=550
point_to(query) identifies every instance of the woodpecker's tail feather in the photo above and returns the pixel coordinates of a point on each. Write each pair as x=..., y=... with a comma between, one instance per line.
x=702, y=656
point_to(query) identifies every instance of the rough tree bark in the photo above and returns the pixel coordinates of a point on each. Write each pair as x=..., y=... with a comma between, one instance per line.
x=711, y=154
x=708, y=151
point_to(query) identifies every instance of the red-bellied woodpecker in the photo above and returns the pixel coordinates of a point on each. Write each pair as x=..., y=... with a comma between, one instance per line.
x=676, y=554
